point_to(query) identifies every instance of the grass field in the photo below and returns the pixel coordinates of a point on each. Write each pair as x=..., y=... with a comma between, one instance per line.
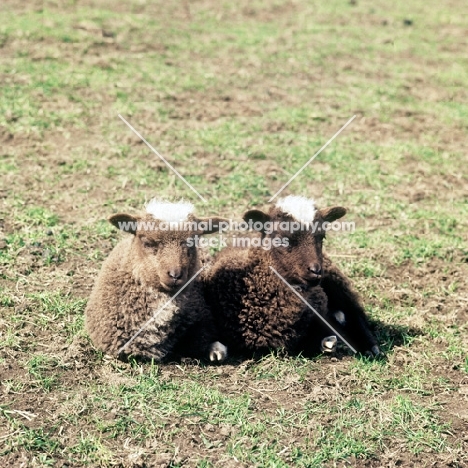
x=237, y=96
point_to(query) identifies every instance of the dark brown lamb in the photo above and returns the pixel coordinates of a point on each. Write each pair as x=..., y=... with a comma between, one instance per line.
x=256, y=310
x=145, y=301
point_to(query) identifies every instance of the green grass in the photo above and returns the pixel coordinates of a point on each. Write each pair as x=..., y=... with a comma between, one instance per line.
x=237, y=96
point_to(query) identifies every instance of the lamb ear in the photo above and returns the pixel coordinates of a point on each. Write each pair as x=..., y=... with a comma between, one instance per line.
x=124, y=222
x=211, y=224
x=256, y=216
x=332, y=213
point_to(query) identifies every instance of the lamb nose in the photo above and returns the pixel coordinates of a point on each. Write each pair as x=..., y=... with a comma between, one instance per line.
x=315, y=268
x=175, y=273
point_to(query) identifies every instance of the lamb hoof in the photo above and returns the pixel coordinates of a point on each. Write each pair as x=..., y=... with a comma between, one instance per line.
x=328, y=344
x=218, y=352
x=375, y=352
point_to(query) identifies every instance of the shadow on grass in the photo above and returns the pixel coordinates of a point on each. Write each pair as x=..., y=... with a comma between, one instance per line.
x=388, y=337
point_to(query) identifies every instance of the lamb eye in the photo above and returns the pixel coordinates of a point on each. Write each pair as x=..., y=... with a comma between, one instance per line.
x=150, y=244
x=291, y=242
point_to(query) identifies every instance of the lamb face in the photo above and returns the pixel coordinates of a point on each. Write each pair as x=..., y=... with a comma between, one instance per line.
x=164, y=261
x=297, y=222
x=300, y=261
x=163, y=252
x=162, y=258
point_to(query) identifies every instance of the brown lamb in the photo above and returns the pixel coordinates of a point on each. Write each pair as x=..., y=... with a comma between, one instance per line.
x=257, y=311
x=145, y=302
